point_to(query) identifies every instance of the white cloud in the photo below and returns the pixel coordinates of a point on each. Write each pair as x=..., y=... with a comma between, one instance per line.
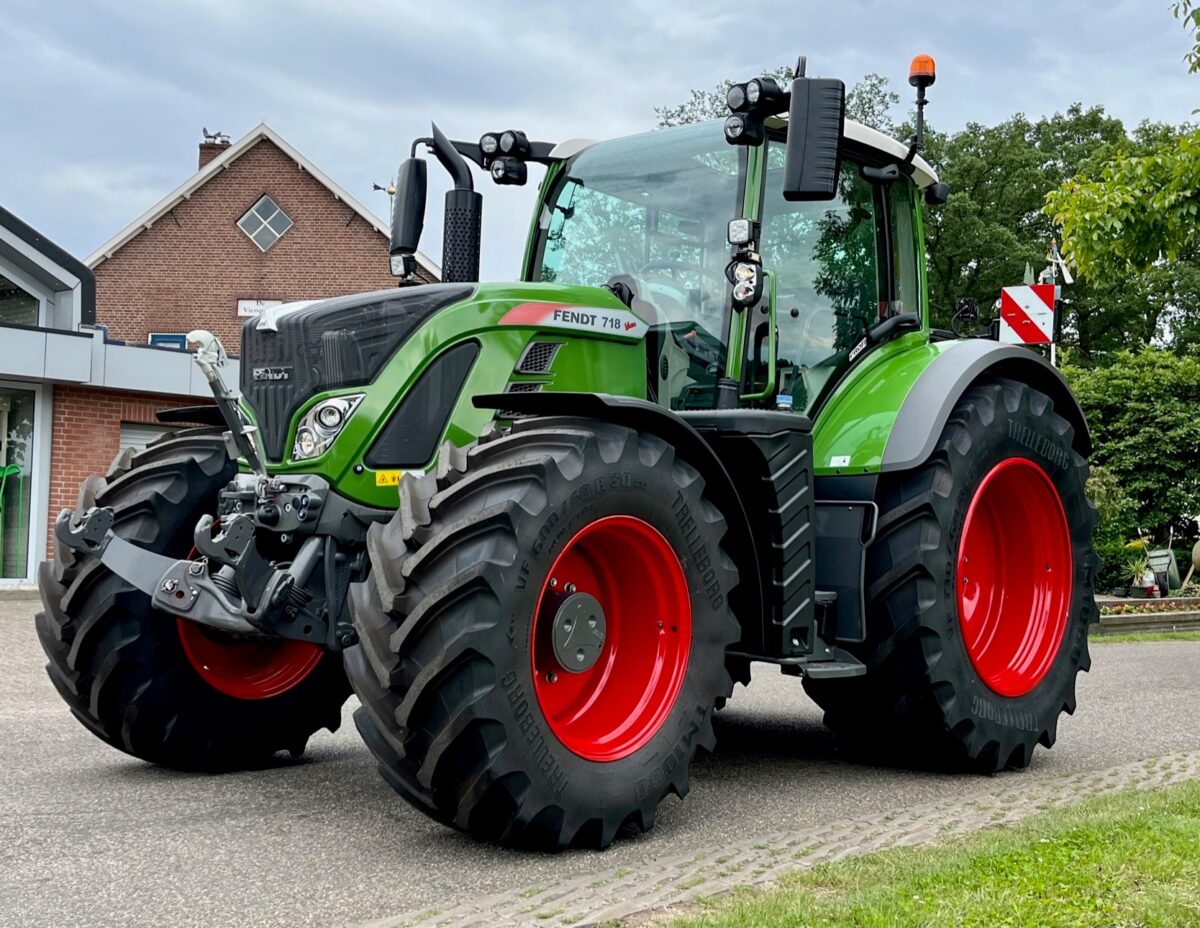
x=110, y=98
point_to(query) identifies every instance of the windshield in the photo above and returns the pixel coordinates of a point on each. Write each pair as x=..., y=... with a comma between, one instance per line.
x=652, y=211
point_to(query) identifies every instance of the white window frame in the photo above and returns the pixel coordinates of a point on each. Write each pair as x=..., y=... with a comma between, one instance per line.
x=264, y=222
x=30, y=286
x=39, y=495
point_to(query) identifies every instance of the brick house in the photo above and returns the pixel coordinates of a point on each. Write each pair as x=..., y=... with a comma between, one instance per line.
x=255, y=225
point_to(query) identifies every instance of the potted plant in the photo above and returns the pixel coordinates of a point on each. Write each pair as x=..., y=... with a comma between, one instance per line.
x=1141, y=578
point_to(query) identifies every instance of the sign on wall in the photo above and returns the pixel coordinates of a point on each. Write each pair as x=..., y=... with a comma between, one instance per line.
x=255, y=307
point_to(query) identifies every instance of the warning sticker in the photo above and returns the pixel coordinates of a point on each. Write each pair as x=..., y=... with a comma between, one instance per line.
x=617, y=322
x=387, y=478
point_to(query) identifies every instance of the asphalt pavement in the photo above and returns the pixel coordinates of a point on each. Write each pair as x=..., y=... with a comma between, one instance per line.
x=92, y=837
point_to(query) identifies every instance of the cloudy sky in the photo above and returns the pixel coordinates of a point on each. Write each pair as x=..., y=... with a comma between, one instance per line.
x=104, y=101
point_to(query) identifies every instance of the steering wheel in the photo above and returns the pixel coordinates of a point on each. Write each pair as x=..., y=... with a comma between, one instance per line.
x=683, y=296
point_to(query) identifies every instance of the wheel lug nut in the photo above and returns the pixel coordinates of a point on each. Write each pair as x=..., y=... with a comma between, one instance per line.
x=553, y=582
x=570, y=588
x=551, y=677
x=580, y=657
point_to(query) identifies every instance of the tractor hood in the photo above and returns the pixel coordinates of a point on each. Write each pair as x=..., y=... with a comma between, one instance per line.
x=292, y=352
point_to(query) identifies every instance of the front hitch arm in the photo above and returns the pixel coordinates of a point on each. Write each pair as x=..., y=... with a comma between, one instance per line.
x=270, y=602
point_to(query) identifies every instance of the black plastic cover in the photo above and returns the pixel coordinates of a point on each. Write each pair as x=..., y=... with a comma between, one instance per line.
x=327, y=345
x=769, y=456
x=411, y=435
x=816, y=120
x=408, y=207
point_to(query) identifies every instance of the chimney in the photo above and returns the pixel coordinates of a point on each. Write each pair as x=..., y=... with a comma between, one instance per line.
x=211, y=149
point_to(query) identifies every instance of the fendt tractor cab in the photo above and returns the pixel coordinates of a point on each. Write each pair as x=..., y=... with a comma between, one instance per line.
x=542, y=527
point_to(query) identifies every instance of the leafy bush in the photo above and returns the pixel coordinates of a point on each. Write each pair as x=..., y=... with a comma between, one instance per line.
x=1115, y=523
x=1144, y=413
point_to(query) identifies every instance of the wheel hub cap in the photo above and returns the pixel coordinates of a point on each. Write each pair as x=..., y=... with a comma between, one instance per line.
x=578, y=630
x=621, y=574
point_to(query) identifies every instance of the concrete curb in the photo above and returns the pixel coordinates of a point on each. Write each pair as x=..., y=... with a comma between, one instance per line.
x=1147, y=622
x=18, y=592
x=596, y=898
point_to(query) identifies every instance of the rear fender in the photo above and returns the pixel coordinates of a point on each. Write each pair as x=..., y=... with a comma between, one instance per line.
x=889, y=410
x=928, y=405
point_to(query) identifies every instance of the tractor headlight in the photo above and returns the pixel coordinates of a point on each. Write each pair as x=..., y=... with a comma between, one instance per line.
x=322, y=424
x=746, y=278
x=507, y=170
x=306, y=444
x=744, y=129
x=488, y=144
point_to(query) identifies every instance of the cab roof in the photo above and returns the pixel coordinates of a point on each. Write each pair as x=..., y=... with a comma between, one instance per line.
x=923, y=172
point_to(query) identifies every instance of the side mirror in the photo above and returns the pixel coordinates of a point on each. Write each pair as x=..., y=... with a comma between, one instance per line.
x=816, y=120
x=408, y=215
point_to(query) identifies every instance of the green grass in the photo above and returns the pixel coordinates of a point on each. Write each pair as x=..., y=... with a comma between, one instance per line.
x=1126, y=637
x=1127, y=860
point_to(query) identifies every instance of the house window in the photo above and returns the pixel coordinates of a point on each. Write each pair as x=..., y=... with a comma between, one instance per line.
x=176, y=340
x=16, y=306
x=265, y=223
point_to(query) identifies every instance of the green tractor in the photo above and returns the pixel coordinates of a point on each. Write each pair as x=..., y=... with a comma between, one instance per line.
x=541, y=528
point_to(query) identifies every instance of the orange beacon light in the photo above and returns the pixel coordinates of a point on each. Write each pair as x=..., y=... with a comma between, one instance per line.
x=922, y=72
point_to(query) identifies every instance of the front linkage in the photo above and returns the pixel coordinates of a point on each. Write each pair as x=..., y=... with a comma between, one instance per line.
x=231, y=586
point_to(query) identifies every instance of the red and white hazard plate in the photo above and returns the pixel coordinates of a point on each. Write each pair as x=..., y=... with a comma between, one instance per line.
x=1027, y=314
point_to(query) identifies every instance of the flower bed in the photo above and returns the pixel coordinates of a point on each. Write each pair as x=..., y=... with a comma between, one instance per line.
x=1148, y=606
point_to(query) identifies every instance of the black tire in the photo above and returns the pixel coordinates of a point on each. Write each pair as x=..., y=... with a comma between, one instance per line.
x=120, y=665
x=444, y=670
x=922, y=701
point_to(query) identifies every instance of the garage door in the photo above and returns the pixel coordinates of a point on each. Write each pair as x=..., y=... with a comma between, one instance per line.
x=140, y=434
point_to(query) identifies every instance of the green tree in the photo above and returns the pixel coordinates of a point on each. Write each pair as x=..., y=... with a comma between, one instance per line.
x=870, y=102
x=1144, y=412
x=1133, y=211
x=1189, y=15
x=1139, y=205
x=992, y=226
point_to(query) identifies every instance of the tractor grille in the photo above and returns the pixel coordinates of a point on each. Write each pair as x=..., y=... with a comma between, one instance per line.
x=327, y=345
x=537, y=357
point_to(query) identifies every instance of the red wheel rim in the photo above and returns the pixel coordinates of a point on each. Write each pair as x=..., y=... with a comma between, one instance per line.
x=1014, y=577
x=612, y=709
x=246, y=668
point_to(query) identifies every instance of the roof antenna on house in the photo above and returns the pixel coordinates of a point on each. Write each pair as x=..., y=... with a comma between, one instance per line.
x=216, y=137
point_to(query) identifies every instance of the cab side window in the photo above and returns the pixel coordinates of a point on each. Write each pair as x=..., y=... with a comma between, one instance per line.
x=826, y=258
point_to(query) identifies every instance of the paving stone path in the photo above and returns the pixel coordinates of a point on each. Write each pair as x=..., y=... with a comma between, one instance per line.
x=606, y=895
